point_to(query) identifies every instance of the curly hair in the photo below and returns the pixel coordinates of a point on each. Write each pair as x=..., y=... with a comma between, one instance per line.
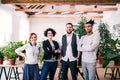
x=49, y=29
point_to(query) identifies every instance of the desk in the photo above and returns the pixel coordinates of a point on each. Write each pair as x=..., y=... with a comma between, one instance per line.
x=11, y=68
x=114, y=70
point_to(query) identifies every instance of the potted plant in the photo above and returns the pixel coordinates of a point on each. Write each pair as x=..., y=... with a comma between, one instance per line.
x=9, y=49
x=1, y=57
x=12, y=58
x=10, y=52
x=107, y=46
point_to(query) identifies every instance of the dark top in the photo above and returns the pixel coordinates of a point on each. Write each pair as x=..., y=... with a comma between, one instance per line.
x=73, y=45
x=48, y=51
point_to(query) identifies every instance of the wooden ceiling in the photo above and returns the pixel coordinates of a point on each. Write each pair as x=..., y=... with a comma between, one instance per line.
x=56, y=8
x=36, y=10
x=64, y=1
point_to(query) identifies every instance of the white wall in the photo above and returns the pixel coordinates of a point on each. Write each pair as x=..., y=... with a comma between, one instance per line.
x=5, y=21
x=19, y=23
x=20, y=26
x=5, y=26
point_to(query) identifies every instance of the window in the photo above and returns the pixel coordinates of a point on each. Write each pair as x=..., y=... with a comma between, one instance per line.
x=2, y=39
x=5, y=26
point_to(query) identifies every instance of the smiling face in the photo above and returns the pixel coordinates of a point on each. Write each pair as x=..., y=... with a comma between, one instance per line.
x=33, y=38
x=69, y=28
x=88, y=28
x=49, y=34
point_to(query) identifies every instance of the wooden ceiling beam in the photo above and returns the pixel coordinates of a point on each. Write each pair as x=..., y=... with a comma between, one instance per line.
x=62, y=16
x=33, y=6
x=72, y=2
x=38, y=7
x=68, y=10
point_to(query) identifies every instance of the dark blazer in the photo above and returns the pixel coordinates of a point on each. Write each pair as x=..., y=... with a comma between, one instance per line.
x=48, y=52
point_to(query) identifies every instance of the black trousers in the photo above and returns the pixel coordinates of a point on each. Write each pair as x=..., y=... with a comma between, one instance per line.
x=73, y=69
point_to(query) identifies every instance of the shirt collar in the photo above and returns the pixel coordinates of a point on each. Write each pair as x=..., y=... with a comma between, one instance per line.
x=68, y=35
x=32, y=45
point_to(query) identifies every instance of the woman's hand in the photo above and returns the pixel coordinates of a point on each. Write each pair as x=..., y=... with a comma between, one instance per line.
x=57, y=51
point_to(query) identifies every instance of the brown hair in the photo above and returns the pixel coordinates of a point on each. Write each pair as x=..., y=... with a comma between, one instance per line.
x=31, y=35
x=69, y=24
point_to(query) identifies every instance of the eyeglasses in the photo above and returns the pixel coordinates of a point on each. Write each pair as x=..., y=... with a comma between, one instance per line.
x=33, y=37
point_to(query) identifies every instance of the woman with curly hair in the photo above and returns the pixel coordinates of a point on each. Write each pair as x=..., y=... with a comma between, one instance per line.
x=51, y=53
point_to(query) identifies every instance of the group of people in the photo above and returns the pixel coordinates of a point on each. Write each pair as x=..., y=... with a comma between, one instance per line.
x=69, y=50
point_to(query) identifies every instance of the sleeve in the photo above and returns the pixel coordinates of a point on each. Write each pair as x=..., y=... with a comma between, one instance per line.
x=92, y=46
x=20, y=50
x=57, y=47
x=80, y=43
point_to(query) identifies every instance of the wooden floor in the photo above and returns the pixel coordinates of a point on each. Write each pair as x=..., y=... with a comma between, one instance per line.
x=100, y=71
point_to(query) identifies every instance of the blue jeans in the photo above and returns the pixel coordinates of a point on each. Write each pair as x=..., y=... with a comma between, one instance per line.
x=31, y=72
x=89, y=71
x=48, y=68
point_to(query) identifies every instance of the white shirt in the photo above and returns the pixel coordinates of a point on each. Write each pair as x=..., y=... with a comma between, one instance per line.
x=69, y=54
x=89, y=47
x=31, y=53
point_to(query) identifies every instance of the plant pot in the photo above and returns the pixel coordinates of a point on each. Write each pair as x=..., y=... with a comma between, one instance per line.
x=1, y=60
x=12, y=61
x=117, y=62
x=100, y=59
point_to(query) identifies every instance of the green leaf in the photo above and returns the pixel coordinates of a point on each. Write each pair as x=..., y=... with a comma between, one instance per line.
x=80, y=29
x=106, y=62
x=107, y=46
